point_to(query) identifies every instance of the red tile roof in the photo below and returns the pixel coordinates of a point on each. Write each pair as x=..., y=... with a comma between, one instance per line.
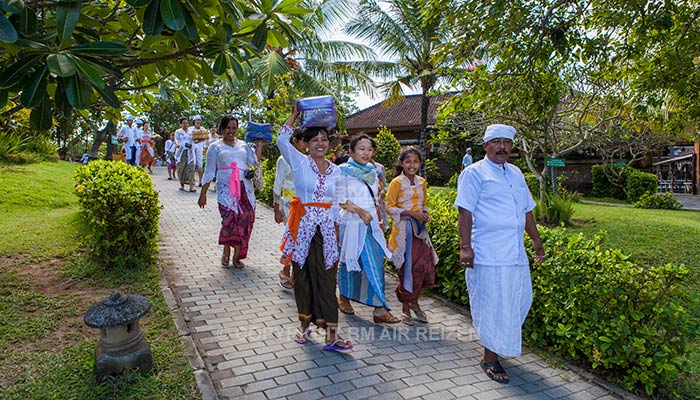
x=403, y=113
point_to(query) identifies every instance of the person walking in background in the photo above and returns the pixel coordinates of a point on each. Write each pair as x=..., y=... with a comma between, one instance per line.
x=202, y=141
x=311, y=239
x=148, y=150
x=170, y=156
x=127, y=135
x=185, y=154
x=236, y=168
x=495, y=206
x=467, y=159
x=282, y=192
x=362, y=243
x=412, y=250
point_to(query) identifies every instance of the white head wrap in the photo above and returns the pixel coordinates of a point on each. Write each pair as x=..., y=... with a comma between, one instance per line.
x=498, y=131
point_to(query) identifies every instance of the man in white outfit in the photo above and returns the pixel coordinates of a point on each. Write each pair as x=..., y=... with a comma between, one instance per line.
x=199, y=146
x=127, y=135
x=495, y=206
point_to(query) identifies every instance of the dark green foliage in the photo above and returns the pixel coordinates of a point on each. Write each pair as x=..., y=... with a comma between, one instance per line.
x=657, y=201
x=443, y=233
x=640, y=183
x=598, y=308
x=269, y=167
x=532, y=183
x=432, y=172
x=452, y=182
x=121, y=209
x=609, y=181
x=555, y=210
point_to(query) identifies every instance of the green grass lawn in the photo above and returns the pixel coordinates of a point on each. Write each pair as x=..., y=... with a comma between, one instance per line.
x=652, y=237
x=46, y=351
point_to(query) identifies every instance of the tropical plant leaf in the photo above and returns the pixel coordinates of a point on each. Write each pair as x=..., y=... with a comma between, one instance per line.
x=34, y=88
x=190, y=29
x=78, y=91
x=3, y=98
x=260, y=37
x=207, y=74
x=92, y=74
x=14, y=73
x=108, y=96
x=61, y=64
x=101, y=48
x=152, y=22
x=25, y=22
x=171, y=13
x=40, y=117
x=237, y=68
x=8, y=34
x=220, y=64
x=138, y=3
x=67, y=16
x=12, y=6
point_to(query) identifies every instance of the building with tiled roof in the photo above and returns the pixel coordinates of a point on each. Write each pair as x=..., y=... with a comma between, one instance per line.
x=401, y=117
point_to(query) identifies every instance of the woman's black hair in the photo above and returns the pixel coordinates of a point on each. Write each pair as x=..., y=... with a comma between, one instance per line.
x=310, y=133
x=398, y=168
x=182, y=119
x=225, y=120
x=342, y=159
x=356, y=139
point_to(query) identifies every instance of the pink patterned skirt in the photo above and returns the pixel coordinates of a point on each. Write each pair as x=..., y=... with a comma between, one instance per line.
x=236, y=228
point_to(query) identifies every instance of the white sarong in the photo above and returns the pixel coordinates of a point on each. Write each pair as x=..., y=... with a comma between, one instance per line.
x=499, y=299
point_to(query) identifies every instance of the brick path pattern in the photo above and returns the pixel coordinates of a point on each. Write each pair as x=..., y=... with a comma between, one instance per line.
x=242, y=323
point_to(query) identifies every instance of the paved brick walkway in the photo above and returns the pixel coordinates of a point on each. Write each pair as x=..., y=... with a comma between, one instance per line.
x=241, y=323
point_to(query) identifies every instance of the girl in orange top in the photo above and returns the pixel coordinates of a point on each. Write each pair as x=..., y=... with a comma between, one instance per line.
x=412, y=251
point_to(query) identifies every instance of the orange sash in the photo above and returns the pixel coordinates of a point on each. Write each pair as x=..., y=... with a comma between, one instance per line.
x=298, y=210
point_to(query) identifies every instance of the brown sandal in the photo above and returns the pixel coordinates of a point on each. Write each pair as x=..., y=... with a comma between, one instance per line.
x=345, y=307
x=386, y=318
x=225, y=261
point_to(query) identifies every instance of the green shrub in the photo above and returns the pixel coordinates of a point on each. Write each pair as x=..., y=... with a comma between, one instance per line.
x=443, y=233
x=432, y=172
x=555, y=210
x=664, y=201
x=639, y=183
x=598, y=308
x=533, y=184
x=609, y=181
x=269, y=167
x=452, y=182
x=388, y=149
x=121, y=209
x=10, y=145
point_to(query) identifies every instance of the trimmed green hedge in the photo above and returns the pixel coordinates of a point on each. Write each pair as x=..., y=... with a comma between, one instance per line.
x=121, y=208
x=592, y=306
x=640, y=183
x=265, y=194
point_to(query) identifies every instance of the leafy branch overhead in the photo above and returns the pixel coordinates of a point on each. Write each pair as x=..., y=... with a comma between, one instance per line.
x=58, y=56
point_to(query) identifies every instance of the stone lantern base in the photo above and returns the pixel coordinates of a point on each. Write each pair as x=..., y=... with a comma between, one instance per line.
x=111, y=364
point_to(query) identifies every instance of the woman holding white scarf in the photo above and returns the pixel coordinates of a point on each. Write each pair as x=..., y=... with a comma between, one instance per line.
x=235, y=167
x=362, y=243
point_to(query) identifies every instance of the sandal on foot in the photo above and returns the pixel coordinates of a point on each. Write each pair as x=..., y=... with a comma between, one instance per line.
x=225, y=261
x=238, y=264
x=335, y=346
x=420, y=315
x=495, y=371
x=406, y=319
x=302, y=337
x=286, y=281
x=386, y=318
x=345, y=307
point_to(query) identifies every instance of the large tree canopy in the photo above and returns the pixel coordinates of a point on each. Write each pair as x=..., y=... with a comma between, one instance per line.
x=65, y=55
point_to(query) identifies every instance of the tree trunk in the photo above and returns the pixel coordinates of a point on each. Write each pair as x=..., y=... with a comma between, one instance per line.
x=105, y=133
x=423, y=135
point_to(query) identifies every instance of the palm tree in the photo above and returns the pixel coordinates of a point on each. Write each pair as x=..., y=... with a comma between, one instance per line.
x=410, y=32
x=313, y=61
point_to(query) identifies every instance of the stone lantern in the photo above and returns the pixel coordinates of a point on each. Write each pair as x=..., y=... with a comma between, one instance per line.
x=122, y=344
